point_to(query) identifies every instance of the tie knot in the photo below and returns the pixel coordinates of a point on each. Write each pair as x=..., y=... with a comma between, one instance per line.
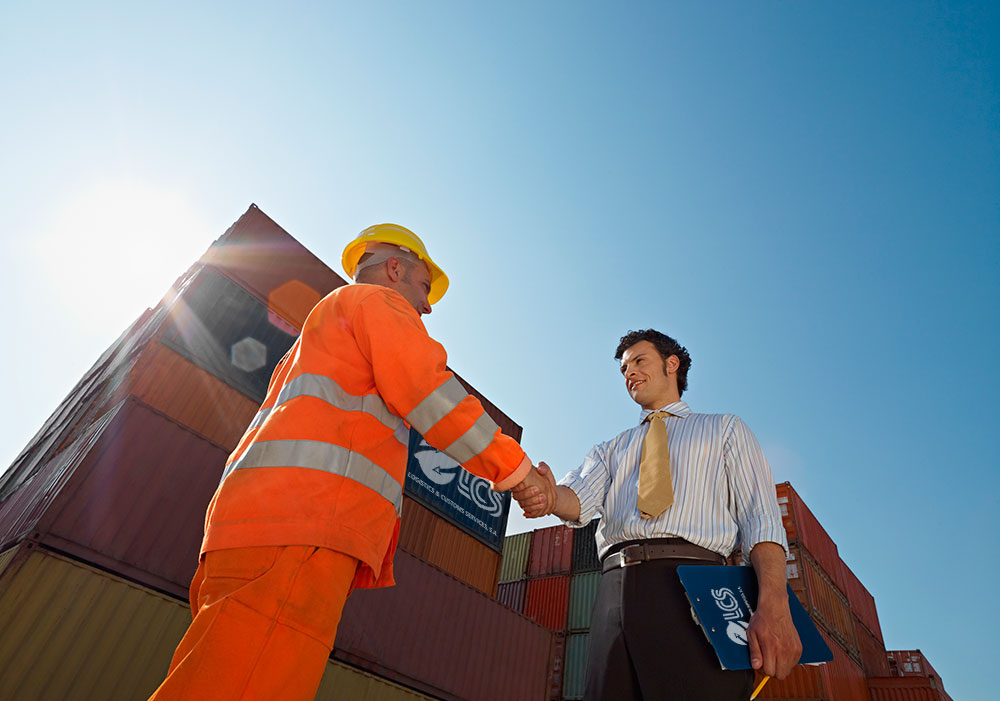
x=657, y=415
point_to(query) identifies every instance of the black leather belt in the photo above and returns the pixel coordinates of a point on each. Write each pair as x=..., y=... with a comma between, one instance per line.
x=661, y=549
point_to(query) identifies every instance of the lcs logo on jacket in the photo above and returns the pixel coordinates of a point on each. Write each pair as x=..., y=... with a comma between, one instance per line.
x=727, y=602
x=442, y=470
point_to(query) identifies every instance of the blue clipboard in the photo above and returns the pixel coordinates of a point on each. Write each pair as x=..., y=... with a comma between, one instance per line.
x=723, y=598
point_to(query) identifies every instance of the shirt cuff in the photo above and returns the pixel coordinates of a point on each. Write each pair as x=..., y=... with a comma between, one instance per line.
x=587, y=510
x=515, y=478
x=762, y=529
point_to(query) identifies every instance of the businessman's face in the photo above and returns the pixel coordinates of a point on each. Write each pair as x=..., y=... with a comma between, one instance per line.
x=647, y=376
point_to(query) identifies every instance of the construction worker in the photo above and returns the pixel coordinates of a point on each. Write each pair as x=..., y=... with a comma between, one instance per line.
x=309, y=504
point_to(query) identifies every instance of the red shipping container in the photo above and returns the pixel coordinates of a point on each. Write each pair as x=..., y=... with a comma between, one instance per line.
x=829, y=605
x=511, y=594
x=547, y=601
x=434, y=633
x=873, y=656
x=557, y=666
x=188, y=394
x=805, y=682
x=128, y=496
x=551, y=551
x=909, y=663
x=862, y=602
x=838, y=680
x=826, y=605
x=843, y=677
x=803, y=528
x=437, y=541
x=267, y=261
x=905, y=689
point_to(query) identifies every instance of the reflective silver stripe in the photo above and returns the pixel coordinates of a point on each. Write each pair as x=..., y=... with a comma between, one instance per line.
x=259, y=419
x=317, y=455
x=402, y=435
x=436, y=405
x=474, y=441
x=327, y=389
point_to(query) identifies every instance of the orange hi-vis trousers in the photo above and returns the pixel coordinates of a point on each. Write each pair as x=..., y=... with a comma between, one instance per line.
x=265, y=619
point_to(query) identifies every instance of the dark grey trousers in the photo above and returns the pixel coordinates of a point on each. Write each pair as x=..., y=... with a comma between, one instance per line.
x=644, y=643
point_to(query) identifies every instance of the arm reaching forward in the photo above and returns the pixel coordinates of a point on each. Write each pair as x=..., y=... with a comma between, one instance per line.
x=552, y=499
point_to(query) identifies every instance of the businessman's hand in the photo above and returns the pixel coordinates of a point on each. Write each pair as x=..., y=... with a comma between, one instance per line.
x=536, y=495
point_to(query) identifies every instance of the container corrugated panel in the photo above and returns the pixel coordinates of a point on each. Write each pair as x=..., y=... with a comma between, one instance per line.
x=341, y=681
x=6, y=556
x=582, y=592
x=266, y=260
x=74, y=632
x=139, y=498
x=843, y=677
x=190, y=395
x=22, y=509
x=862, y=602
x=585, y=548
x=436, y=634
x=514, y=564
x=77, y=412
x=511, y=594
x=804, y=682
x=803, y=528
x=828, y=604
x=130, y=497
x=433, y=539
x=547, y=601
x=575, y=669
x=557, y=666
x=873, y=657
x=551, y=551
x=226, y=330
x=904, y=689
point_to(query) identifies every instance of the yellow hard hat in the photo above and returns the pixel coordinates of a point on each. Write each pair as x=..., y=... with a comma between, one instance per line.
x=397, y=236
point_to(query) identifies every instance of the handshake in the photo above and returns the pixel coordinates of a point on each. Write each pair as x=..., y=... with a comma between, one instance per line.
x=537, y=494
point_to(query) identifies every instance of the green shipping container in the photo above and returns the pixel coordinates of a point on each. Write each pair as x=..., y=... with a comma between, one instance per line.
x=582, y=592
x=575, y=669
x=515, y=557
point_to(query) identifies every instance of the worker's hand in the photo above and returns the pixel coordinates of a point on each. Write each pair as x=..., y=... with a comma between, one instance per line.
x=774, y=643
x=536, y=495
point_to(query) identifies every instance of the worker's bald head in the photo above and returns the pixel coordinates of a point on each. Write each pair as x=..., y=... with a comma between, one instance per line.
x=396, y=268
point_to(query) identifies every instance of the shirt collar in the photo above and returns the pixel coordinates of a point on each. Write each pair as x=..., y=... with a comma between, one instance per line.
x=680, y=409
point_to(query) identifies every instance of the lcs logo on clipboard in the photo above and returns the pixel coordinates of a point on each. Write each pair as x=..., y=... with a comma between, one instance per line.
x=726, y=600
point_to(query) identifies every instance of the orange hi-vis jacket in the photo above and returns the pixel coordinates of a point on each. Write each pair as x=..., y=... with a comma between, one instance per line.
x=324, y=461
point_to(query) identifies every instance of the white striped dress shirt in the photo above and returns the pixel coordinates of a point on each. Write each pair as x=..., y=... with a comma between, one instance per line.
x=723, y=489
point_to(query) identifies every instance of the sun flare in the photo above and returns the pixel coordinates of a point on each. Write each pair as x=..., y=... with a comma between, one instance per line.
x=114, y=248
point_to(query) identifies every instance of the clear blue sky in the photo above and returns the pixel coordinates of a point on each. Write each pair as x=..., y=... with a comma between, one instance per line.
x=807, y=195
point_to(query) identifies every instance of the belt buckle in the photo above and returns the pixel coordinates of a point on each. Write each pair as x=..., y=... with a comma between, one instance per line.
x=626, y=561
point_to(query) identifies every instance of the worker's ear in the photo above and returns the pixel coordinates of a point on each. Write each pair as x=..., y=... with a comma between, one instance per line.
x=394, y=269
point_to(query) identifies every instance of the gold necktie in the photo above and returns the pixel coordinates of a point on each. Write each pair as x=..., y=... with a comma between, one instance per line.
x=656, y=490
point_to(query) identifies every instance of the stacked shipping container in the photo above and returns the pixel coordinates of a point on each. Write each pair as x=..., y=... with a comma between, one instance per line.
x=835, y=598
x=110, y=495
x=551, y=576
x=911, y=677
